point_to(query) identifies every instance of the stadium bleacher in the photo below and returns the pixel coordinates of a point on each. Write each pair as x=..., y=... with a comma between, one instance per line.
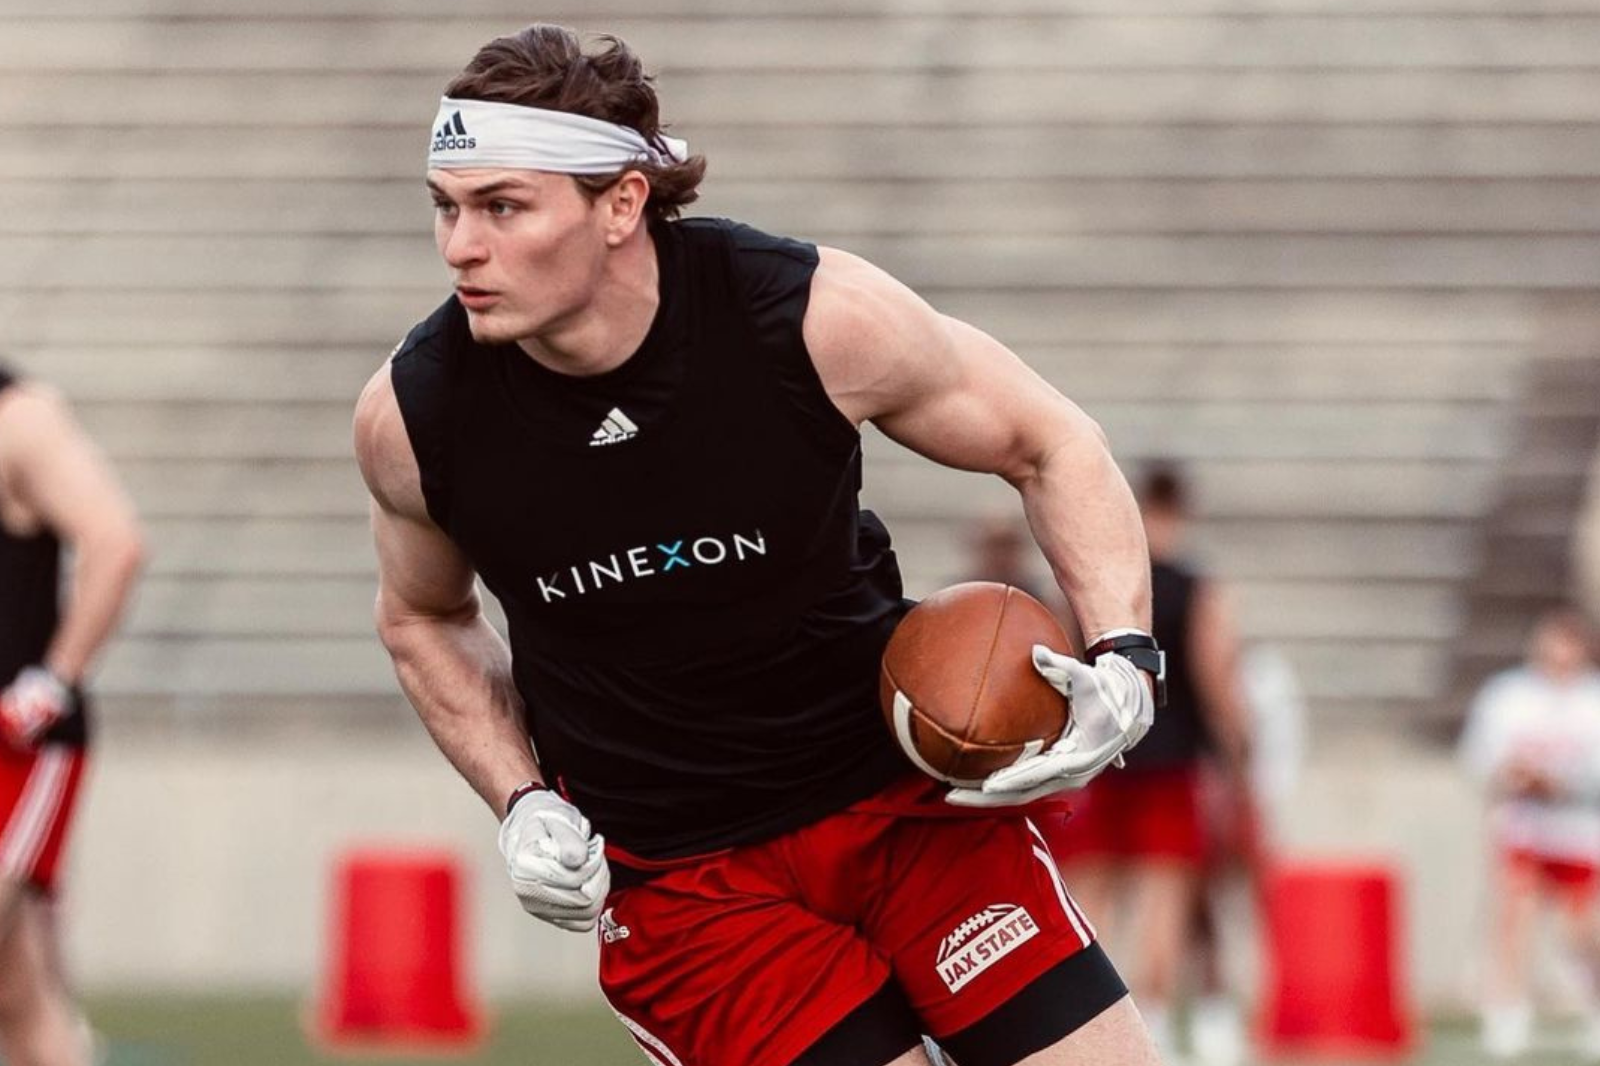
x=1304, y=248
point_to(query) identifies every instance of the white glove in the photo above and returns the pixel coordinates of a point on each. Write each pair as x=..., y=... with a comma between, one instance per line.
x=1112, y=708
x=31, y=704
x=557, y=864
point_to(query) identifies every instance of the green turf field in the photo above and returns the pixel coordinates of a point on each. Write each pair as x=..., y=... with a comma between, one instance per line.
x=200, y=1032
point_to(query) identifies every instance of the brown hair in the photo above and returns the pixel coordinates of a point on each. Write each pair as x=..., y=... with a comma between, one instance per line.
x=545, y=66
x=1164, y=488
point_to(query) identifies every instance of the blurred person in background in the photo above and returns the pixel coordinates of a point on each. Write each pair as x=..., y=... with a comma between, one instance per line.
x=997, y=550
x=56, y=492
x=1136, y=848
x=643, y=434
x=1532, y=742
x=1586, y=544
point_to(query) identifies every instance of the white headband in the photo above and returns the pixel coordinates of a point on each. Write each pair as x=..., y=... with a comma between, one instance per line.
x=477, y=133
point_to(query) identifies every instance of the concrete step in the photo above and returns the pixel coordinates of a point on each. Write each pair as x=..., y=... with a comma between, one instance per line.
x=1325, y=373
x=920, y=491
x=94, y=375
x=311, y=430
x=509, y=15
x=1244, y=489
x=315, y=315
x=1259, y=549
x=840, y=210
x=890, y=41
x=245, y=548
x=1256, y=548
x=125, y=148
x=245, y=488
x=333, y=667
x=1300, y=431
x=178, y=668
x=1017, y=262
x=279, y=606
x=1240, y=431
x=47, y=100
x=1088, y=372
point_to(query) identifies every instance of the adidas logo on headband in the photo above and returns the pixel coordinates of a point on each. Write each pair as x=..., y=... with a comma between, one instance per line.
x=453, y=134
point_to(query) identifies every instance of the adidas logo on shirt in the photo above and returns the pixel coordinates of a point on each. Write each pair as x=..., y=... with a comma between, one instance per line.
x=453, y=134
x=617, y=428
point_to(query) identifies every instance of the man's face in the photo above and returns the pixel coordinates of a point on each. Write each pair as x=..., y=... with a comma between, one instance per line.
x=1559, y=648
x=526, y=249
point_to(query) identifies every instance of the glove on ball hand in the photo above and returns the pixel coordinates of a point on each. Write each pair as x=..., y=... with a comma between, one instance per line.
x=1112, y=709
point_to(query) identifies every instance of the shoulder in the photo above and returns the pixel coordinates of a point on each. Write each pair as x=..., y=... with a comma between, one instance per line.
x=745, y=242
x=382, y=440
x=877, y=345
x=432, y=341
x=32, y=416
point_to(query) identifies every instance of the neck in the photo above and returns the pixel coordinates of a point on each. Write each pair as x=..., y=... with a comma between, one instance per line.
x=607, y=330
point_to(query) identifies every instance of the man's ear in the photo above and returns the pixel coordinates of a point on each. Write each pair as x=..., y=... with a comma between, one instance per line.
x=625, y=202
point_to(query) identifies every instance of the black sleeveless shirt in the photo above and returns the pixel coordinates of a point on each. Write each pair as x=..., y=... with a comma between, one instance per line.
x=697, y=606
x=1180, y=735
x=30, y=584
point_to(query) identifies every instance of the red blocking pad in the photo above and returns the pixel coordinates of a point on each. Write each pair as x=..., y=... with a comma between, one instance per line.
x=396, y=970
x=1334, y=978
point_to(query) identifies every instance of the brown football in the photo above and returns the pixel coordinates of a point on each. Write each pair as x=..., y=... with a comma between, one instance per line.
x=958, y=687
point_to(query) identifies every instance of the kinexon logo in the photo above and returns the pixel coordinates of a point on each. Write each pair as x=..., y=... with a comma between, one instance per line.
x=453, y=135
x=650, y=560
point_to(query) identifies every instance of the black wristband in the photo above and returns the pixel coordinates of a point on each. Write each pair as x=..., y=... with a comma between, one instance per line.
x=525, y=789
x=1142, y=651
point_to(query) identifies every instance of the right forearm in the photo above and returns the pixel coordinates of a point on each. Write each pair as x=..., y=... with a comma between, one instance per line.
x=457, y=674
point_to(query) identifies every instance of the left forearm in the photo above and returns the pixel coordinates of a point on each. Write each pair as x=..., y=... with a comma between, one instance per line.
x=1086, y=522
x=106, y=566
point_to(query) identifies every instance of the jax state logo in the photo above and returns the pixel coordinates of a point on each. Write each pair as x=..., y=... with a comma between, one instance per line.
x=981, y=941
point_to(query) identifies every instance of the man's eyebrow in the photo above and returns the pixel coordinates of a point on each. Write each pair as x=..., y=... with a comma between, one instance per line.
x=482, y=190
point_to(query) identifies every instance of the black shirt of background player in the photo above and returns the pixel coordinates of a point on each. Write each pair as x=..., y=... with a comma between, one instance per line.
x=697, y=606
x=1179, y=736
x=30, y=590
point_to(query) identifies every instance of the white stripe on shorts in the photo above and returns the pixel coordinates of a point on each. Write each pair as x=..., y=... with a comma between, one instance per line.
x=648, y=1042
x=35, y=814
x=1080, y=922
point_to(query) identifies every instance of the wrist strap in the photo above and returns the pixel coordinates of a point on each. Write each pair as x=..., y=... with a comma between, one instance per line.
x=1140, y=649
x=1119, y=640
x=527, y=788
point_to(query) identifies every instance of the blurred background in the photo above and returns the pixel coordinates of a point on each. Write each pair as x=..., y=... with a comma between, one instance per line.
x=1337, y=257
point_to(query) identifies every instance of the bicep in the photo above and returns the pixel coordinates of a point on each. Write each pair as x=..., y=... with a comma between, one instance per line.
x=60, y=476
x=421, y=571
x=940, y=386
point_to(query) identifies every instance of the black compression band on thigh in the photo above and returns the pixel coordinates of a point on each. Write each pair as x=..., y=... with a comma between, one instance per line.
x=1061, y=1001
x=877, y=1032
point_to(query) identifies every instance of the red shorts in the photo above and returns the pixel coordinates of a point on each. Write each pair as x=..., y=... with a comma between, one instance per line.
x=38, y=791
x=1575, y=883
x=1135, y=814
x=750, y=956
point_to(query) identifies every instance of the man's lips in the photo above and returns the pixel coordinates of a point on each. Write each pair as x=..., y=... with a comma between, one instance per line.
x=475, y=298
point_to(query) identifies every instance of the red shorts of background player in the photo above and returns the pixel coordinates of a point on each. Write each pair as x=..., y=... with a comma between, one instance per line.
x=1574, y=882
x=38, y=791
x=897, y=915
x=1134, y=814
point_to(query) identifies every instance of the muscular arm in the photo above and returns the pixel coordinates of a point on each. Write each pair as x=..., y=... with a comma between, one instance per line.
x=952, y=393
x=55, y=478
x=453, y=666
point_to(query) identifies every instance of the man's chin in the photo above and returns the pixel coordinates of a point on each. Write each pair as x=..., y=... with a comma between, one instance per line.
x=487, y=331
